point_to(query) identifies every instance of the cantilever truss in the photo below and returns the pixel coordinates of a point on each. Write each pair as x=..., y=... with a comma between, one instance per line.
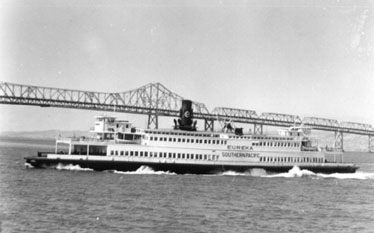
x=153, y=99
x=320, y=122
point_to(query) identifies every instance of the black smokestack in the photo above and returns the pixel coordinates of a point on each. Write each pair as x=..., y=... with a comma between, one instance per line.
x=186, y=113
x=186, y=116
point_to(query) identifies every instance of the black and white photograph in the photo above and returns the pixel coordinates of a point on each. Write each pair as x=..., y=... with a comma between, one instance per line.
x=186, y=116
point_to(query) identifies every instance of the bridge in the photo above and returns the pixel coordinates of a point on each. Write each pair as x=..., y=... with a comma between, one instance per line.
x=155, y=100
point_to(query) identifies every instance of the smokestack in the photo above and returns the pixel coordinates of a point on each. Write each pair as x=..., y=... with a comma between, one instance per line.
x=186, y=116
x=186, y=113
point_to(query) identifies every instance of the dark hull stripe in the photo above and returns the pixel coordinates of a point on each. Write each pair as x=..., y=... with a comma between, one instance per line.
x=180, y=168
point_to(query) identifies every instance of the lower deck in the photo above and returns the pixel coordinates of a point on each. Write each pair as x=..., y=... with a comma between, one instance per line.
x=181, y=167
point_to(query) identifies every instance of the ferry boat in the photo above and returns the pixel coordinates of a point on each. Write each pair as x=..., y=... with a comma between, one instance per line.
x=118, y=145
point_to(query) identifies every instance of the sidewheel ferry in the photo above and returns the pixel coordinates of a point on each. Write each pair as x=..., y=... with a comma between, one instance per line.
x=118, y=145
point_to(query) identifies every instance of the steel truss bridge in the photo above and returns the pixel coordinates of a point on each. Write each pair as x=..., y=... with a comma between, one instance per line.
x=156, y=100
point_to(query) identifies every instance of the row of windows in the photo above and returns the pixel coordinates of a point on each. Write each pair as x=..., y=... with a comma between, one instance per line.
x=155, y=154
x=291, y=159
x=188, y=140
x=260, y=137
x=224, y=142
x=217, y=135
x=182, y=134
x=277, y=144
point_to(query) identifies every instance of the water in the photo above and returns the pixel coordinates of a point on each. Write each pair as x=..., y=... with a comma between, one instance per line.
x=71, y=199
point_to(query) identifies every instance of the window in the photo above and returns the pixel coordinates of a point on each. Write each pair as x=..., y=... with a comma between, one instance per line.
x=179, y=155
x=205, y=157
x=131, y=153
x=136, y=153
x=141, y=153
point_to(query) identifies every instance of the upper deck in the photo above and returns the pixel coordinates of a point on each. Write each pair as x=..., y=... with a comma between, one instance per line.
x=108, y=130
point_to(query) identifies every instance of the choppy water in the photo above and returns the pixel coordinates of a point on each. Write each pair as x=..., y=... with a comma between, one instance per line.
x=71, y=199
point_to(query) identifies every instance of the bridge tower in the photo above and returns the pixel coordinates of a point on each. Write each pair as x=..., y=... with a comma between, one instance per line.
x=209, y=125
x=258, y=129
x=152, y=121
x=371, y=143
x=339, y=140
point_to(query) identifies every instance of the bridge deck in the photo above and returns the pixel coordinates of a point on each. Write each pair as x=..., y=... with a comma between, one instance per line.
x=156, y=100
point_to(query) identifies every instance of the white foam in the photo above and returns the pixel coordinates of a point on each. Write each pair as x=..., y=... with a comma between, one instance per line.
x=145, y=170
x=28, y=165
x=297, y=172
x=357, y=175
x=71, y=167
x=252, y=172
x=233, y=173
x=294, y=172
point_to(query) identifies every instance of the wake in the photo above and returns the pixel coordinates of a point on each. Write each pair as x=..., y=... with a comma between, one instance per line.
x=71, y=167
x=144, y=170
x=28, y=165
x=297, y=172
x=252, y=172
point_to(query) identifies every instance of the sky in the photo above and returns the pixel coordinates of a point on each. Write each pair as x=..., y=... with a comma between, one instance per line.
x=307, y=58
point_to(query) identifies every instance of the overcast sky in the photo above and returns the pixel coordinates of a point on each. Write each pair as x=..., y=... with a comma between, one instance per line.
x=308, y=58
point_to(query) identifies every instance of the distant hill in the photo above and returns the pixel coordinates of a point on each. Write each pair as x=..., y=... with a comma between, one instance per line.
x=47, y=134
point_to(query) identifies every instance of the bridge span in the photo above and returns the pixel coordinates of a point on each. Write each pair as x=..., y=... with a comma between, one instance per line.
x=155, y=100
